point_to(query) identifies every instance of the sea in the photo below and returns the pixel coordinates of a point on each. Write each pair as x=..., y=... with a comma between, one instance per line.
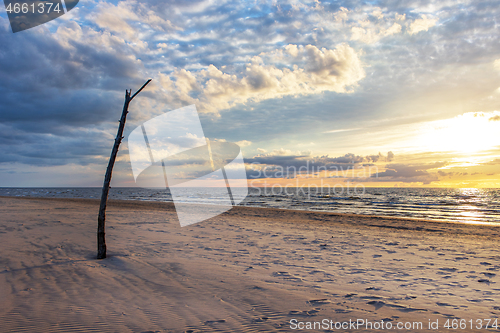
x=465, y=205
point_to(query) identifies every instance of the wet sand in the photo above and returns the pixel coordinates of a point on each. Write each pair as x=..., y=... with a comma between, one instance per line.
x=247, y=270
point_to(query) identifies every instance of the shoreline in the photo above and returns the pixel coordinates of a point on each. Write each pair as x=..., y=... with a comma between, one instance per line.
x=448, y=205
x=381, y=221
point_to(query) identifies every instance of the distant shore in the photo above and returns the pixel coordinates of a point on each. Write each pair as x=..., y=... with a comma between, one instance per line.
x=247, y=270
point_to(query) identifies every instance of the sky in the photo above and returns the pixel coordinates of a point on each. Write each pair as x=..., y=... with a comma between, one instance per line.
x=378, y=93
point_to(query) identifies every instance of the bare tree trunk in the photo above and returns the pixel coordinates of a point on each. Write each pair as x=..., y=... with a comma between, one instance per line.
x=101, y=220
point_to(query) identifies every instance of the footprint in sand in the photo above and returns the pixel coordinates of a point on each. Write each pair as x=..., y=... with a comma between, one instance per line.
x=376, y=304
x=318, y=301
x=208, y=322
x=287, y=276
x=443, y=304
x=310, y=313
x=260, y=320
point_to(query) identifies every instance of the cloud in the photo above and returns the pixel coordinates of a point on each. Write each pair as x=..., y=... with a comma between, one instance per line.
x=67, y=77
x=496, y=64
x=390, y=156
x=342, y=130
x=302, y=70
x=370, y=36
x=123, y=18
x=243, y=143
x=285, y=163
x=422, y=24
x=494, y=162
x=444, y=173
x=370, y=27
x=59, y=105
x=76, y=145
x=495, y=118
x=114, y=18
x=452, y=173
x=408, y=173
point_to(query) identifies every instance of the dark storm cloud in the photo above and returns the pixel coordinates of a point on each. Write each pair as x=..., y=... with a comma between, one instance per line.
x=48, y=83
x=58, y=96
x=408, y=173
x=78, y=146
x=276, y=165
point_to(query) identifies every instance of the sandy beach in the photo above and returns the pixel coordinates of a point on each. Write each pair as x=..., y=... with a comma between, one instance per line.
x=248, y=270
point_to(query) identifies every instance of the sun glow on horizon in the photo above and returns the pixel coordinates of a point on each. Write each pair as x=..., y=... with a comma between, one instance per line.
x=468, y=133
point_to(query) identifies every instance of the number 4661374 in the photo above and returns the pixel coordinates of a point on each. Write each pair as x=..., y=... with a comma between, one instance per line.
x=40, y=8
x=471, y=324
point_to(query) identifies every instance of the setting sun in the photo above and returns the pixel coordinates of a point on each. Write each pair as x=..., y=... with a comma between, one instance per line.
x=469, y=133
